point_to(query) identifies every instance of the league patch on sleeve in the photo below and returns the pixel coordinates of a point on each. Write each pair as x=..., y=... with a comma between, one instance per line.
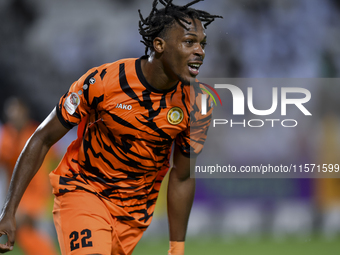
x=71, y=103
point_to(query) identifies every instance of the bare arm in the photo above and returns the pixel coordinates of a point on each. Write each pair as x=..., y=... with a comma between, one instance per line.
x=29, y=162
x=181, y=192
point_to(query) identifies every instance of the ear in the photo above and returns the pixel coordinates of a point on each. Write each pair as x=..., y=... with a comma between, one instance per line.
x=158, y=44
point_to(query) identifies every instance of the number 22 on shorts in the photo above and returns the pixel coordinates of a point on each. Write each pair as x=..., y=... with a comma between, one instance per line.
x=84, y=242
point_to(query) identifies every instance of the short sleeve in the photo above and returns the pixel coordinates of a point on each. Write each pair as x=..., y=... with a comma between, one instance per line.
x=191, y=141
x=85, y=95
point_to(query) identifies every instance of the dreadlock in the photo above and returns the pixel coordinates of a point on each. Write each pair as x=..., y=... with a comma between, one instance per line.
x=160, y=19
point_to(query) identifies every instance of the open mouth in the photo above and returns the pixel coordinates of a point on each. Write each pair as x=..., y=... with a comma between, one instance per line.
x=194, y=69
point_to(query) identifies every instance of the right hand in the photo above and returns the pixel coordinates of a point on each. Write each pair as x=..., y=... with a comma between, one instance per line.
x=7, y=227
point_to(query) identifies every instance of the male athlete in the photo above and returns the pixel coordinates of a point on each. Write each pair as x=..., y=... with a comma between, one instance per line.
x=129, y=114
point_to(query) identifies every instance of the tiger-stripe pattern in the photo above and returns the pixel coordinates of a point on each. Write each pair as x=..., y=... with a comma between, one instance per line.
x=126, y=129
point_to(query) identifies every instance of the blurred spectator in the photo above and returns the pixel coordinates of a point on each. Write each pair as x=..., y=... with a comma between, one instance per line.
x=327, y=190
x=3, y=178
x=15, y=132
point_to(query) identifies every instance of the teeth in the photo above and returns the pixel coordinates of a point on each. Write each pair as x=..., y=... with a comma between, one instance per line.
x=195, y=65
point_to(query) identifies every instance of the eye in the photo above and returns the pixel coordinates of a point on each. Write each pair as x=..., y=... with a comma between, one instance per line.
x=189, y=42
x=203, y=44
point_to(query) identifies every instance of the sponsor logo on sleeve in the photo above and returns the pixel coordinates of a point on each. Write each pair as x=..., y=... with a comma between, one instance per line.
x=71, y=103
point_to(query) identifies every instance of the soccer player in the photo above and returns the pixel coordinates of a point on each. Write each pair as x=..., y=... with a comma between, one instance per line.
x=17, y=129
x=129, y=114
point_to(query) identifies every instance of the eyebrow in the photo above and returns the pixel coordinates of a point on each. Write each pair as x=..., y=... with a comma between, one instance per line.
x=191, y=34
x=205, y=37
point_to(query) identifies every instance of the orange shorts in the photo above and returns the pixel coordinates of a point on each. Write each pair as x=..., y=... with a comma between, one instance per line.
x=85, y=226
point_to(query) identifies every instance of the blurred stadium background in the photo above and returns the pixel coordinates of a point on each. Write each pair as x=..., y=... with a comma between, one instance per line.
x=46, y=45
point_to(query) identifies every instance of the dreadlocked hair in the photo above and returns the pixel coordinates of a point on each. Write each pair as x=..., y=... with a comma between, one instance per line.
x=160, y=19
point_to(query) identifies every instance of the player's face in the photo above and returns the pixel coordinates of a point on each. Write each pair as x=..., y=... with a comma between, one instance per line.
x=184, y=50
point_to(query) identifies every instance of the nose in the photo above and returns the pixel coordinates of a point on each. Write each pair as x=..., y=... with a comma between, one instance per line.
x=199, y=51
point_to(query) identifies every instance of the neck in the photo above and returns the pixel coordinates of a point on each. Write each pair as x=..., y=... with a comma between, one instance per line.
x=161, y=80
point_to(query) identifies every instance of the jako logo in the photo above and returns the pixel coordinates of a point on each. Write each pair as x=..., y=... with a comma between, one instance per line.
x=124, y=106
x=204, y=98
x=238, y=100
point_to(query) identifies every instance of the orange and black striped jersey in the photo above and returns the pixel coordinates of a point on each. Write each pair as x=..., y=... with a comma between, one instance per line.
x=126, y=129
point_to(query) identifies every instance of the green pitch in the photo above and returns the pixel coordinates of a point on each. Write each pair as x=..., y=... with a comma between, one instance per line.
x=314, y=246
x=264, y=247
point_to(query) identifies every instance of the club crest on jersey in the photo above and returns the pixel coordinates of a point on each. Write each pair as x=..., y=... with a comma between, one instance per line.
x=71, y=103
x=124, y=106
x=175, y=115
